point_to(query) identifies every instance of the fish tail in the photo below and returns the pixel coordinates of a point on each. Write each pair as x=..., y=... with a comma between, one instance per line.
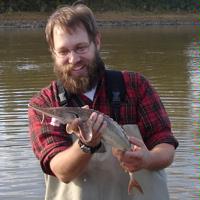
x=133, y=183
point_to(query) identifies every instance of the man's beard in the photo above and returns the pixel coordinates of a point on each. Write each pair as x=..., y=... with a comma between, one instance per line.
x=83, y=83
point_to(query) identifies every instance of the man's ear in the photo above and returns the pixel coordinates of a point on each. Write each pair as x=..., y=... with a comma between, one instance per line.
x=98, y=40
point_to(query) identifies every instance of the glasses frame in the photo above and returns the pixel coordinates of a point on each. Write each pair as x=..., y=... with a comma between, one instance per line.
x=81, y=49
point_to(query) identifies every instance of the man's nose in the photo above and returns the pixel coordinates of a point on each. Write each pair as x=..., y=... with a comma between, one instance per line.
x=73, y=57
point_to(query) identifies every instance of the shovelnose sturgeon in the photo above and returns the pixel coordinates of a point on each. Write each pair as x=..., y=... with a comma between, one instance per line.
x=114, y=134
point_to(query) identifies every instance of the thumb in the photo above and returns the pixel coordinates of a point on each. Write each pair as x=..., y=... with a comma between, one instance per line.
x=85, y=107
x=136, y=141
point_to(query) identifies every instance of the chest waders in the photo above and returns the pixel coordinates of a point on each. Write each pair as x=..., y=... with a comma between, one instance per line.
x=104, y=179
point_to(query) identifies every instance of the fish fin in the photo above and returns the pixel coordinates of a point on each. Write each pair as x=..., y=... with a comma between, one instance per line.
x=70, y=128
x=80, y=129
x=133, y=183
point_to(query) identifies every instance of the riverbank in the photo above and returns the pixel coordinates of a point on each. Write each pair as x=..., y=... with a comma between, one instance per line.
x=104, y=19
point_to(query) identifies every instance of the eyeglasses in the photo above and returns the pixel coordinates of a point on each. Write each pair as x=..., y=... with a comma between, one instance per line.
x=81, y=48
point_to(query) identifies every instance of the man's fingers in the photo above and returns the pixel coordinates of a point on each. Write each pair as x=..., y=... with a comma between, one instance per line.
x=97, y=122
x=102, y=127
x=88, y=131
x=93, y=117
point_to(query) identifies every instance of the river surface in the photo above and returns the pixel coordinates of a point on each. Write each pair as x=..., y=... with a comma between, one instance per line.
x=167, y=56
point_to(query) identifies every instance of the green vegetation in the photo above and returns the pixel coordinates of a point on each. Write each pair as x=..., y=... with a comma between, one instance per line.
x=98, y=5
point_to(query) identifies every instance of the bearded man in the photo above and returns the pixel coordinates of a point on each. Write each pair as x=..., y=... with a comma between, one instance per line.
x=71, y=172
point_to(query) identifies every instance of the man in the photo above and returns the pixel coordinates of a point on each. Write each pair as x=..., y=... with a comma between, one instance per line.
x=71, y=172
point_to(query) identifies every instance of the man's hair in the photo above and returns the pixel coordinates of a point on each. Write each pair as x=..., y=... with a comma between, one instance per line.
x=69, y=18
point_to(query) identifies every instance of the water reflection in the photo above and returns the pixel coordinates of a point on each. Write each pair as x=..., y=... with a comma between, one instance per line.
x=20, y=173
x=167, y=56
x=194, y=70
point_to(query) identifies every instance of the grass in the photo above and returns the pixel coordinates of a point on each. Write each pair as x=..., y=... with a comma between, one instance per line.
x=106, y=16
x=27, y=16
x=136, y=15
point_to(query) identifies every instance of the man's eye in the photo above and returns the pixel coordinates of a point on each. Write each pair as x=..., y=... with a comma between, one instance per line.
x=62, y=53
x=81, y=49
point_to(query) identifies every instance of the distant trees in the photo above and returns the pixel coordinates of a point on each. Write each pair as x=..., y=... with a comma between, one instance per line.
x=98, y=5
x=146, y=5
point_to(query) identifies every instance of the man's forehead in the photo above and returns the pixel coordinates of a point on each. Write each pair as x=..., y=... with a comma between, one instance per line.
x=63, y=37
x=70, y=30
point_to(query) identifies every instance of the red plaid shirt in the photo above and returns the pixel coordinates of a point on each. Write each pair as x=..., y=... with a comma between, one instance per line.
x=141, y=106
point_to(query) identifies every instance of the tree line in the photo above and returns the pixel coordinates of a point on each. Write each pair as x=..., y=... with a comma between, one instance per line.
x=98, y=5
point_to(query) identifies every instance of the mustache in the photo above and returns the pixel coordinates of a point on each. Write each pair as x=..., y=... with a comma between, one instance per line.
x=67, y=68
x=64, y=69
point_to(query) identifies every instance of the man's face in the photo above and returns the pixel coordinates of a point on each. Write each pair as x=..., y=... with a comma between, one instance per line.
x=75, y=58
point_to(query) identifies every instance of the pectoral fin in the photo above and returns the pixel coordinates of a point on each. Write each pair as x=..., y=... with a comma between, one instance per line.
x=80, y=129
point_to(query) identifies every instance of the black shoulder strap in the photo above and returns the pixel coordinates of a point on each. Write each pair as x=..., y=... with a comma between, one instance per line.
x=62, y=95
x=116, y=91
x=65, y=97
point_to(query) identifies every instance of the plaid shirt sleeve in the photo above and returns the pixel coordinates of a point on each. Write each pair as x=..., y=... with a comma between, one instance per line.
x=47, y=139
x=152, y=117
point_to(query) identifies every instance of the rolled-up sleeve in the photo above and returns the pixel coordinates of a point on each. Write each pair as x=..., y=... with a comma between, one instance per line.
x=47, y=138
x=153, y=119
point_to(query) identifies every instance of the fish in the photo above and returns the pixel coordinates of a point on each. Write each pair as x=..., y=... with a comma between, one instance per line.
x=114, y=134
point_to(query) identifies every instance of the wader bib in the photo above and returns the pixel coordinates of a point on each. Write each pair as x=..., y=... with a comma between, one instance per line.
x=104, y=179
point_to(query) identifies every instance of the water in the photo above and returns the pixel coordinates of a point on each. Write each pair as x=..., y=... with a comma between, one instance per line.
x=167, y=56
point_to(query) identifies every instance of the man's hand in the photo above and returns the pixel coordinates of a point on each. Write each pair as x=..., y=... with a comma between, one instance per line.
x=90, y=131
x=134, y=159
x=139, y=157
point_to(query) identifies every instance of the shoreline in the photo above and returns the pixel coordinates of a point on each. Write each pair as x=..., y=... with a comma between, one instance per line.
x=106, y=19
x=108, y=23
